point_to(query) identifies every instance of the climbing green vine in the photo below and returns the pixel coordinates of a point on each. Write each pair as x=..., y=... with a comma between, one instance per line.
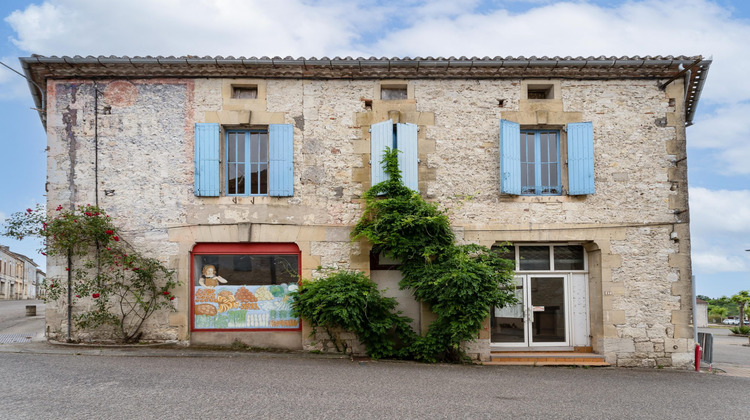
x=458, y=282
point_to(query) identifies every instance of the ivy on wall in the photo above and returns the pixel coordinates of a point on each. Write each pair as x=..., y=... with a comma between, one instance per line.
x=458, y=282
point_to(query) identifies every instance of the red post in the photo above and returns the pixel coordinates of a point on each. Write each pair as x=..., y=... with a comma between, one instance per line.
x=697, y=357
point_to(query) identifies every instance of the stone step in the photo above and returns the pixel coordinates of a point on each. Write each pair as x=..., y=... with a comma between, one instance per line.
x=546, y=358
x=565, y=363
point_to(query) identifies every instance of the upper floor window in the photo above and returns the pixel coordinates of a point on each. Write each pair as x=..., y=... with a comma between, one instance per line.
x=247, y=162
x=255, y=162
x=540, y=163
x=531, y=161
x=401, y=136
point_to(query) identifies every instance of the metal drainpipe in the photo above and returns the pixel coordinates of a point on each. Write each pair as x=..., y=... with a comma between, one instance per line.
x=70, y=295
x=96, y=144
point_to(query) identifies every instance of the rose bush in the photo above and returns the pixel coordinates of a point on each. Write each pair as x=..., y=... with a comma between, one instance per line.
x=125, y=286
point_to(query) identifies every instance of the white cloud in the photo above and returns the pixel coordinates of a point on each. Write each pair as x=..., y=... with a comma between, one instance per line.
x=174, y=27
x=724, y=132
x=717, y=262
x=720, y=229
x=12, y=86
x=651, y=27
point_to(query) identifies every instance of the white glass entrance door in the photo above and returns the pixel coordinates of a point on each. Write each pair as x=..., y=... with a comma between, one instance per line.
x=540, y=316
x=508, y=324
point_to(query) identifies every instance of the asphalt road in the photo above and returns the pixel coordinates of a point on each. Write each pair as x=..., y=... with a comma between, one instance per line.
x=44, y=381
x=13, y=319
x=269, y=386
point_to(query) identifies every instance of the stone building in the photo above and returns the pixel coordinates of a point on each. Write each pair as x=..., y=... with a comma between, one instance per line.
x=17, y=275
x=244, y=173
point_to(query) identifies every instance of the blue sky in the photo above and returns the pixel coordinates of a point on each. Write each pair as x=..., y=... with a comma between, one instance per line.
x=718, y=150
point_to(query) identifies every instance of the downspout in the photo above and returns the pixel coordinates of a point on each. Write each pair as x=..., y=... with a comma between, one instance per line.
x=70, y=295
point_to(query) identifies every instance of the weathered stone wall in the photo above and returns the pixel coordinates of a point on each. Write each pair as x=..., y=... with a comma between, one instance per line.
x=640, y=291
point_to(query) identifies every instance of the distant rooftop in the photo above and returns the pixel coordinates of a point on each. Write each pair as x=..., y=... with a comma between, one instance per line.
x=693, y=69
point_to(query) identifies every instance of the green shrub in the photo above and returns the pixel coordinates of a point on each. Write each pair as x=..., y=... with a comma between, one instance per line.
x=351, y=301
x=741, y=330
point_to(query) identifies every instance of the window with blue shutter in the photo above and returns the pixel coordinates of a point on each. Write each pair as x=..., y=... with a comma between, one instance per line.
x=408, y=161
x=206, y=181
x=281, y=160
x=580, y=158
x=256, y=162
x=381, y=136
x=395, y=136
x=510, y=157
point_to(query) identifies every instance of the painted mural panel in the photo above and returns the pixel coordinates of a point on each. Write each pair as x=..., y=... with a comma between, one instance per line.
x=244, y=291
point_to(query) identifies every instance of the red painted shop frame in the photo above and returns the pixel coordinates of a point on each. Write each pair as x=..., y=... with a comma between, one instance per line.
x=256, y=248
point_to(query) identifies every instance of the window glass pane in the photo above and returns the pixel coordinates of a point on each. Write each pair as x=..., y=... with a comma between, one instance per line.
x=263, y=178
x=263, y=148
x=553, y=153
x=244, y=291
x=241, y=147
x=240, y=178
x=254, y=181
x=232, y=178
x=544, y=147
x=569, y=257
x=534, y=257
x=553, y=177
x=232, y=147
x=254, y=147
x=394, y=93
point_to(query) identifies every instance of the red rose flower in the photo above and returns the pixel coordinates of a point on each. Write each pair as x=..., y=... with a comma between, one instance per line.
x=116, y=238
x=67, y=269
x=29, y=211
x=95, y=295
x=166, y=292
x=171, y=298
x=78, y=296
x=109, y=232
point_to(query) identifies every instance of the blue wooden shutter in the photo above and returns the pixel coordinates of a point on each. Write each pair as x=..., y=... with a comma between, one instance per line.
x=281, y=160
x=580, y=158
x=206, y=160
x=510, y=157
x=381, y=136
x=406, y=142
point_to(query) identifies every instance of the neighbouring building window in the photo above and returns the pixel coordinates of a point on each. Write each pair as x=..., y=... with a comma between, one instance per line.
x=244, y=286
x=540, y=163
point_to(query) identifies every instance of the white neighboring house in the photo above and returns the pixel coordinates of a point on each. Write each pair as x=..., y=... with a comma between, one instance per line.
x=18, y=275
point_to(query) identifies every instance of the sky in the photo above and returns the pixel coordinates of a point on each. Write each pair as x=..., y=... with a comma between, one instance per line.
x=718, y=146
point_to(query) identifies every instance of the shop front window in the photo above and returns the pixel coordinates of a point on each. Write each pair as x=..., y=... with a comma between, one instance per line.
x=244, y=286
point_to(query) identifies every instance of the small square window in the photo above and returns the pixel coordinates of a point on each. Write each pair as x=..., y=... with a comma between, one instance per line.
x=540, y=92
x=244, y=92
x=393, y=92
